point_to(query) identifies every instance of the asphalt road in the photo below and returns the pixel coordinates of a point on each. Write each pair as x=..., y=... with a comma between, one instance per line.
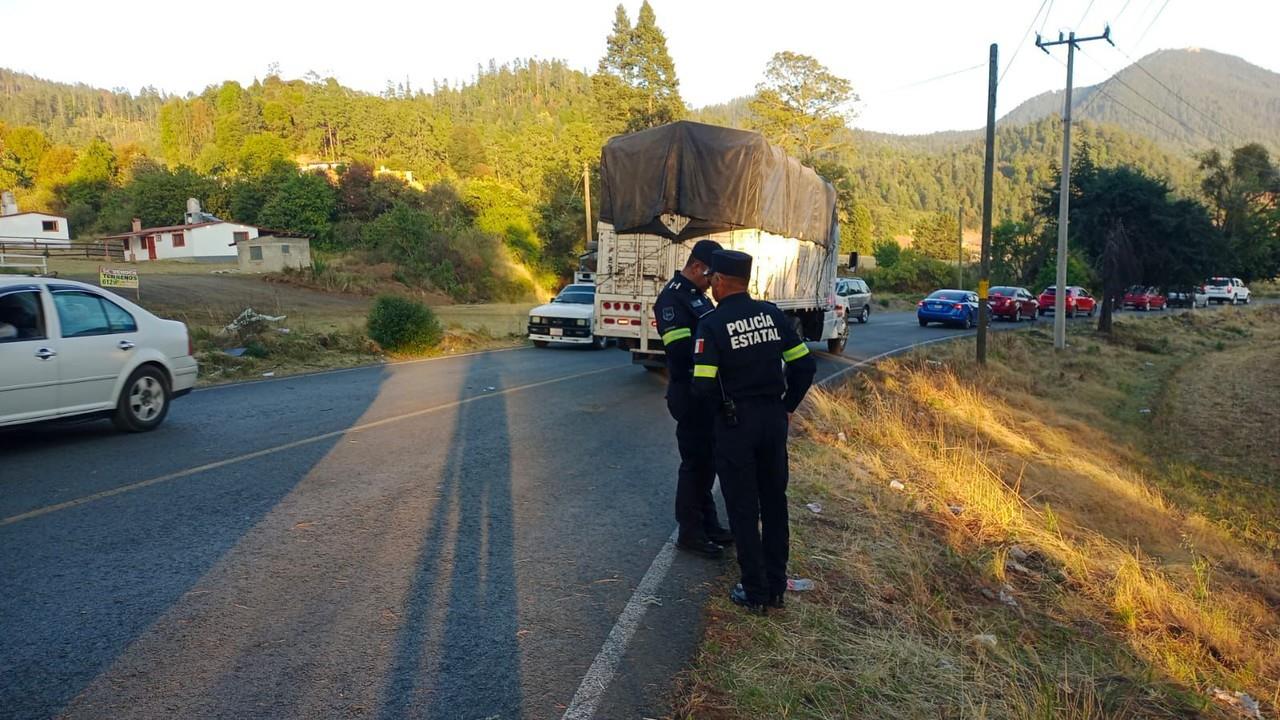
x=454, y=538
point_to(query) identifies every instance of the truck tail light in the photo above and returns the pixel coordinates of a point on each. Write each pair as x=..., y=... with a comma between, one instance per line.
x=606, y=305
x=608, y=321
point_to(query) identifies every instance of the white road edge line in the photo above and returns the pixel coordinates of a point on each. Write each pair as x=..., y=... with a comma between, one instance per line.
x=603, y=669
x=594, y=684
x=290, y=445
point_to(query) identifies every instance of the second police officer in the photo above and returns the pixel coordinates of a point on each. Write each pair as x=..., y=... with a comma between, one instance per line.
x=749, y=359
x=678, y=309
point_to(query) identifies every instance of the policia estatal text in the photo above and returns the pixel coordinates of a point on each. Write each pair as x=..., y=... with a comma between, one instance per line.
x=679, y=307
x=749, y=360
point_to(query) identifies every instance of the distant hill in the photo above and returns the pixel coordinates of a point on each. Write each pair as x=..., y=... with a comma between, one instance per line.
x=1234, y=101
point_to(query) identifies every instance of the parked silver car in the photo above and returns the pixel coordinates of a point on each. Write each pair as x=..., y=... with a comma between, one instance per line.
x=854, y=295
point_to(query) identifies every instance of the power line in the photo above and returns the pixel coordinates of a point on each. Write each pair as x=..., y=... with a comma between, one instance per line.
x=931, y=79
x=1122, y=9
x=1018, y=48
x=1181, y=99
x=1044, y=22
x=1100, y=90
x=1152, y=23
x=1116, y=76
x=1087, y=8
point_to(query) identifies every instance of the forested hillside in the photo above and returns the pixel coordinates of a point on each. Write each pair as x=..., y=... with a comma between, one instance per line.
x=482, y=193
x=1185, y=98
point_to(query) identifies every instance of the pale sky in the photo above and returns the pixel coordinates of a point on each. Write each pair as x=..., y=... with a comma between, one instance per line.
x=720, y=47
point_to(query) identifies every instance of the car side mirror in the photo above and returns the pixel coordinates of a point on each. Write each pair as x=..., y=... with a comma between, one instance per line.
x=853, y=261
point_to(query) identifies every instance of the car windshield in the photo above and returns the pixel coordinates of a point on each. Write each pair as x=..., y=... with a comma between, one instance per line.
x=1219, y=282
x=952, y=295
x=1050, y=291
x=1136, y=290
x=1004, y=291
x=575, y=297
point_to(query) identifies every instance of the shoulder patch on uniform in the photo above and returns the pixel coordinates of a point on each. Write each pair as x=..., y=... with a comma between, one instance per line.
x=697, y=346
x=697, y=302
x=668, y=313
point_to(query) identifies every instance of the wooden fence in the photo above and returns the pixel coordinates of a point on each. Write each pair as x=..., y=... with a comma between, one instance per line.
x=109, y=252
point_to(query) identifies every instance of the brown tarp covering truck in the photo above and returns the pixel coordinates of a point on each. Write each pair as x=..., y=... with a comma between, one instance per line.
x=719, y=178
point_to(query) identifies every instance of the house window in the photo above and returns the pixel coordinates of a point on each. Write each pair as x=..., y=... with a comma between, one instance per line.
x=179, y=240
x=255, y=252
x=240, y=236
x=49, y=225
x=284, y=249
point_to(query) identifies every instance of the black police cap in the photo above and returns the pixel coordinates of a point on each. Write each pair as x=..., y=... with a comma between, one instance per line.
x=703, y=250
x=733, y=263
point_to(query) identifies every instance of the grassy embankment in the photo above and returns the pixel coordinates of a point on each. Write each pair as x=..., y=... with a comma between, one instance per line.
x=326, y=326
x=1080, y=535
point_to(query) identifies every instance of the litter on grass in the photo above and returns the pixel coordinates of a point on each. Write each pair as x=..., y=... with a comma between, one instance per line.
x=814, y=508
x=799, y=584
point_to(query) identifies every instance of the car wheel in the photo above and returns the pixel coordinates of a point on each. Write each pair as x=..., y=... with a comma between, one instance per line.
x=540, y=343
x=1071, y=312
x=144, y=401
x=968, y=322
x=1091, y=309
x=865, y=315
x=1017, y=315
x=923, y=322
x=835, y=346
x=1247, y=298
x=599, y=342
x=1146, y=307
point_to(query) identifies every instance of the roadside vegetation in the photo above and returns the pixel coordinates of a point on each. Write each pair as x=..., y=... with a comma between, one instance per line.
x=1053, y=536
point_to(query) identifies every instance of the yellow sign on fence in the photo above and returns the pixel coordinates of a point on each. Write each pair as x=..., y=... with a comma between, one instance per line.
x=111, y=278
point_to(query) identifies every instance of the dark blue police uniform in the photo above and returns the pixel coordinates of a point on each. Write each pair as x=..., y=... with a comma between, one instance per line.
x=749, y=359
x=678, y=309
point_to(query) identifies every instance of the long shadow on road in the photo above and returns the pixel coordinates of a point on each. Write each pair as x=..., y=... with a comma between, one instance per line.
x=468, y=665
x=81, y=584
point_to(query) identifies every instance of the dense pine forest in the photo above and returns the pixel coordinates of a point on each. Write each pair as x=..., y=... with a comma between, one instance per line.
x=475, y=189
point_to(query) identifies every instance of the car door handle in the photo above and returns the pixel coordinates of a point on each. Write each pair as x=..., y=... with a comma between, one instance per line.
x=125, y=345
x=45, y=353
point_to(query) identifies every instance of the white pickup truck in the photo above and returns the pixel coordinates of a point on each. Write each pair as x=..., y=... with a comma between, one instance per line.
x=670, y=186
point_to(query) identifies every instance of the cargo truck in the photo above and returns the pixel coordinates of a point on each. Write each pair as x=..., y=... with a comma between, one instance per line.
x=665, y=188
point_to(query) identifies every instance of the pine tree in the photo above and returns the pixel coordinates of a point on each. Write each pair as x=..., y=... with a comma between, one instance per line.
x=655, y=73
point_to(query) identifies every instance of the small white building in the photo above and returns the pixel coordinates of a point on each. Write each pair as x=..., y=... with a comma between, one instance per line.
x=30, y=228
x=202, y=238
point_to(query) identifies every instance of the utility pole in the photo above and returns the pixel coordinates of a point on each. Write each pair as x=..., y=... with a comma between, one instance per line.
x=960, y=248
x=988, y=171
x=1064, y=192
x=586, y=202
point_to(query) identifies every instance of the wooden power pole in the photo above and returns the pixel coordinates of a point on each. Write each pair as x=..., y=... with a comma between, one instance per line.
x=988, y=171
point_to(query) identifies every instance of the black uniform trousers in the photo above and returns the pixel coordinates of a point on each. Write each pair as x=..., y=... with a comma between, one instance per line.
x=751, y=460
x=695, y=438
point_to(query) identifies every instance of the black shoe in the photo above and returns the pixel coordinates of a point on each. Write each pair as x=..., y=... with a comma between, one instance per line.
x=702, y=546
x=741, y=599
x=776, y=602
x=720, y=535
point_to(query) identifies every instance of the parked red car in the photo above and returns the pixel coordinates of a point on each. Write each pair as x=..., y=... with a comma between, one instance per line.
x=1145, y=298
x=1012, y=303
x=1078, y=301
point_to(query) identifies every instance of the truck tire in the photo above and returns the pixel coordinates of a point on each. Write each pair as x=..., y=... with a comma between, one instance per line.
x=798, y=324
x=599, y=342
x=835, y=346
x=540, y=343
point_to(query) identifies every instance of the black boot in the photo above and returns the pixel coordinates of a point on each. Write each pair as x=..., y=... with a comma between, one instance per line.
x=719, y=535
x=700, y=546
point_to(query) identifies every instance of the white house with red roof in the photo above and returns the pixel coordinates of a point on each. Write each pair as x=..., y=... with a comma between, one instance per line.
x=30, y=228
x=201, y=238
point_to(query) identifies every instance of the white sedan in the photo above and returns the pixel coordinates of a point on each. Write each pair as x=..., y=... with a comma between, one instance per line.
x=72, y=350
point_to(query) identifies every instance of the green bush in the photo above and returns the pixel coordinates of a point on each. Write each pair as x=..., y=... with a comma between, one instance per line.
x=912, y=273
x=401, y=324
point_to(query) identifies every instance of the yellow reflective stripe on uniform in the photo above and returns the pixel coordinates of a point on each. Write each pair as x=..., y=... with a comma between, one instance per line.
x=798, y=351
x=705, y=371
x=671, y=336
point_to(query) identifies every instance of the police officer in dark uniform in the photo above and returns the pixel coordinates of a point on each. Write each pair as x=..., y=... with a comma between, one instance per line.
x=750, y=361
x=679, y=307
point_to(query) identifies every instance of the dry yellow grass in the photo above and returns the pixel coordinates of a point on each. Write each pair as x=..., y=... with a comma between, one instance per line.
x=1032, y=513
